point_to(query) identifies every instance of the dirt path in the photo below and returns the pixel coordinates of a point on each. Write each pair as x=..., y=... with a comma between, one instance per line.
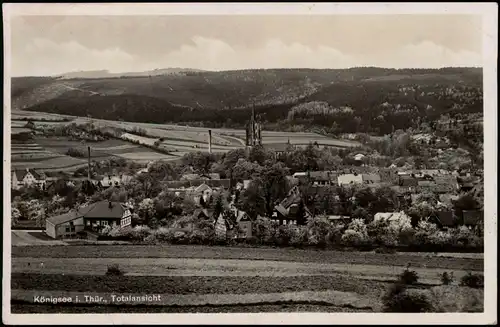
x=217, y=267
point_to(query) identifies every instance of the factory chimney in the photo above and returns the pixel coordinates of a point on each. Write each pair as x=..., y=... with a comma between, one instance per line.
x=209, y=141
x=88, y=173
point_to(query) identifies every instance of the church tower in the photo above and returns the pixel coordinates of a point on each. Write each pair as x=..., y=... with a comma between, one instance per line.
x=253, y=130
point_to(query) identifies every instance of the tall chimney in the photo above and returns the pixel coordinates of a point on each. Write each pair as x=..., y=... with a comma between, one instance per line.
x=209, y=141
x=88, y=173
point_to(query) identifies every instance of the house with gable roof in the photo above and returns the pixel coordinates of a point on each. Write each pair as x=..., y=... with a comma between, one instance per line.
x=92, y=218
x=26, y=178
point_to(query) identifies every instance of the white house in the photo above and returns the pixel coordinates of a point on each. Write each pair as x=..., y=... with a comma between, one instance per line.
x=27, y=177
x=347, y=179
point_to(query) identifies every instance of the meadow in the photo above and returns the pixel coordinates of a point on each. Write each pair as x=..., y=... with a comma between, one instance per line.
x=197, y=278
x=175, y=139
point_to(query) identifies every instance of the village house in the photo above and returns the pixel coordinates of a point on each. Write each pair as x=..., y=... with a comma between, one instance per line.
x=371, y=179
x=202, y=194
x=443, y=219
x=359, y=158
x=115, y=180
x=472, y=218
x=279, y=149
x=390, y=216
x=27, y=178
x=407, y=183
x=337, y=219
x=346, y=179
x=287, y=210
x=318, y=178
x=91, y=219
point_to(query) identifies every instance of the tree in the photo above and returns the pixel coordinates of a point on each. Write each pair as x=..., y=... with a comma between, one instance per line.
x=273, y=184
x=244, y=170
x=301, y=214
x=160, y=170
x=146, y=210
x=15, y=215
x=259, y=155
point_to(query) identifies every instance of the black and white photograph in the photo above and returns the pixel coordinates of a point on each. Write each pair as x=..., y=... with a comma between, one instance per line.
x=250, y=163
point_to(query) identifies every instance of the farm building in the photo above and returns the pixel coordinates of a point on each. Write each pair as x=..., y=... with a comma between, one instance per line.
x=92, y=218
x=27, y=177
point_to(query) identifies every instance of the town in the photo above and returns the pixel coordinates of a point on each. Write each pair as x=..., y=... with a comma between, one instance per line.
x=281, y=195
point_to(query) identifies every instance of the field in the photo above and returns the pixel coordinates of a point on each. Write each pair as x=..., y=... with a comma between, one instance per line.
x=222, y=279
x=49, y=153
x=174, y=138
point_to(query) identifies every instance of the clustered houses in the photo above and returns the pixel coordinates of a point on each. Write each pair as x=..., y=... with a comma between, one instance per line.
x=201, y=188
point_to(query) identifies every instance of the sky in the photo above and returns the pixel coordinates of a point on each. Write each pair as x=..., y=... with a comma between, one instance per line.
x=51, y=45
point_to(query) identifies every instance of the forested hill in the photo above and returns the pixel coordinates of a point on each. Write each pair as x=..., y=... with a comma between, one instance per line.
x=374, y=100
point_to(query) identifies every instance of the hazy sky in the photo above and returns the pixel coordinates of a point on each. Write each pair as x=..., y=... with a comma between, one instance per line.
x=48, y=45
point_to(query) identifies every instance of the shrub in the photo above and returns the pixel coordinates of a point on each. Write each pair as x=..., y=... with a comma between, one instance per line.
x=353, y=238
x=140, y=232
x=125, y=232
x=263, y=229
x=356, y=233
x=72, y=152
x=399, y=299
x=180, y=238
x=299, y=236
x=164, y=235
x=284, y=235
x=114, y=270
x=446, y=279
x=472, y=280
x=151, y=239
x=317, y=230
x=408, y=277
x=334, y=235
x=456, y=299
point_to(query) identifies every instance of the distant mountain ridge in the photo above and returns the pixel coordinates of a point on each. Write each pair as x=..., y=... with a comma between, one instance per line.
x=367, y=99
x=106, y=74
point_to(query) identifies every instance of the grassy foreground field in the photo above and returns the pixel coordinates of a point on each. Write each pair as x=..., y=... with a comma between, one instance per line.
x=217, y=279
x=271, y=254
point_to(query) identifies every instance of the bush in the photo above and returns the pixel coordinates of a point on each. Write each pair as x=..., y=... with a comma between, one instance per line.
x=456, y=299
x=299, y=237
x=114, y=270
x=72, y=152
x=408, y=277
x=334, y=236
x=446, y=279
x=399, y=299
x=472, y=280
x=317, y=231
x=164, y=235
x=353, y=238
x=140, y=232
